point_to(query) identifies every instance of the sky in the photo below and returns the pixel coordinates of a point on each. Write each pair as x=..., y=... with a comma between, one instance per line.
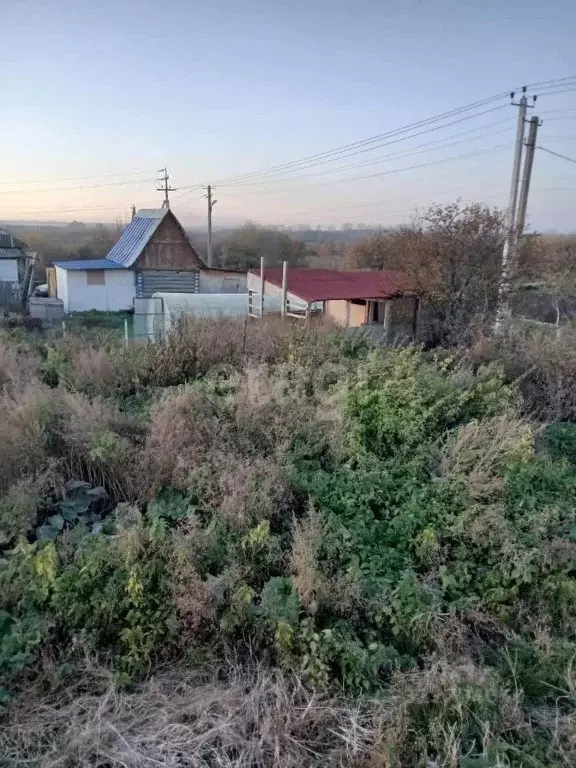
x=97, y=96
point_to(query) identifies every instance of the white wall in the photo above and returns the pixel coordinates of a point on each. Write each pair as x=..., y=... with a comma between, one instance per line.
x=8, y=271
x=62, y=286
x=116, y=294
x=221, y=281
x=272, y=291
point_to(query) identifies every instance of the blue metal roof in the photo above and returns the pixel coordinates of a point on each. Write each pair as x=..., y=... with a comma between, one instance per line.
x=9, y=241
x=136, y=236
x=11, y=253
x=89, y=264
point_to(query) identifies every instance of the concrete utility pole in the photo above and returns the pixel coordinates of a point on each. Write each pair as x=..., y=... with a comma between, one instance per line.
x=527, y=175
x=510, y=243
x=163, y=180
x=211, y=204
x=262, y=286
x=284, y=286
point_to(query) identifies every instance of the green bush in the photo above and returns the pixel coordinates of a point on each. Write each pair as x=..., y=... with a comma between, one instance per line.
x=561, y=441
x=115, y=597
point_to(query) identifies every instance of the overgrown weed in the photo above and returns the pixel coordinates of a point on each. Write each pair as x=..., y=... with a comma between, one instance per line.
x=388, y=525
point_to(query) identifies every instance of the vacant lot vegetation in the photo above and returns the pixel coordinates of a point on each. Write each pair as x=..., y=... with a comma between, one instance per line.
x=267, y=544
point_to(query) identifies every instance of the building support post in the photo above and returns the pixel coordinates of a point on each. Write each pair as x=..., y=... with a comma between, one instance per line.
x=415, y=317
x=387, y=317
x=261, y=286
x=284, y=286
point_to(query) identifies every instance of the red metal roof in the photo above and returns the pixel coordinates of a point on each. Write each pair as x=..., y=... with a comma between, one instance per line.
x=325, y=284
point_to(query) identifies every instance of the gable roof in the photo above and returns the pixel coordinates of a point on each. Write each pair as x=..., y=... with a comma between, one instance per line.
x=9, y=242
x=11, y=253
x=326, y=284
x=137, y=235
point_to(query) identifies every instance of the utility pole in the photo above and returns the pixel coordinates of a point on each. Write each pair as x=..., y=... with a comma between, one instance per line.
x=211, y=204
x=510, y=243
x=527, y=175
x=163, y=180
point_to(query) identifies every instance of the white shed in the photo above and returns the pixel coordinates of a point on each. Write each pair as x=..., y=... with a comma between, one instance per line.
x=8, y=268
x=94, y=284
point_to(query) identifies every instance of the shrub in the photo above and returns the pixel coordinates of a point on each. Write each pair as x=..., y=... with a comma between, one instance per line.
x=115, y=597
x=561, y=441
x=545, y=369
x=22, y=502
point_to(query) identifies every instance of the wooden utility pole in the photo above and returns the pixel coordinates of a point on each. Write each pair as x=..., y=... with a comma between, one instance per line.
x=527, y=175
x=211, y=204
x=166, y=188
x=510, y=243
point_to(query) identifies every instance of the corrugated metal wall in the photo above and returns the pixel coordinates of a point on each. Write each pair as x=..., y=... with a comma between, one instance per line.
x=156, y=281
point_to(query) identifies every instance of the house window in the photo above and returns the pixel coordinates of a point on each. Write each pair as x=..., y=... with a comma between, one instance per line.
x=95, y=277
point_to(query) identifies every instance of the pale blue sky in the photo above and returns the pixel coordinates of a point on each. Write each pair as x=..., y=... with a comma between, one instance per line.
x=220, y=89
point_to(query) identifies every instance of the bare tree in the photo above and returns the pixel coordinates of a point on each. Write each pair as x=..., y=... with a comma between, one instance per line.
x=243, y=248
x=453, y=254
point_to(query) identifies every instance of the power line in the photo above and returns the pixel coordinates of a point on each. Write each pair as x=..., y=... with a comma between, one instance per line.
x=371, y=143
x=391, y=171
x=76, y=178
x=70, y=210
x=557, y=154
x=370, y=140
x=420, y=165
x=559, y=93
x=75, y=189
x=418, y=149
x=557, y=81
x=560, y=138
x=312, y=159
x=266, y=178
x=188, y=189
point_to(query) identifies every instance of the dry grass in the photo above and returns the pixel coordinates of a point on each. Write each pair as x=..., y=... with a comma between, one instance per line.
x=17, y=367
x=308, y=581
x=477, y=451
x=251, y=716
x=92, y=369
x=25, y=418
x=96, y=442
x=183, y=428
x=246, y=719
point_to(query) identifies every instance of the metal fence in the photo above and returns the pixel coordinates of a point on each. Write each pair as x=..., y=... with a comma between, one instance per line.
x=10, y=296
